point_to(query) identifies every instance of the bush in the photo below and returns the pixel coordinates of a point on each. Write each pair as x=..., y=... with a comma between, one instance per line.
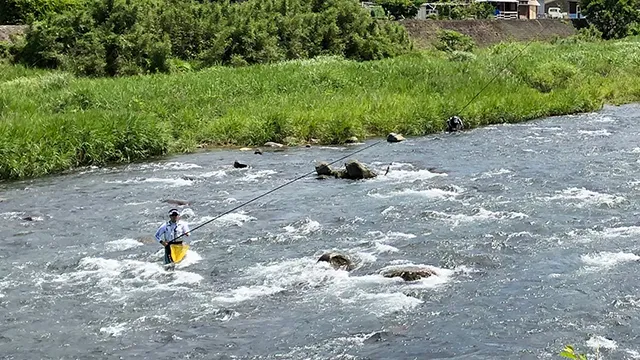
x=449, y=41
x=400, y=9
x=461, y=56
x=118, y=37
x=17, y=12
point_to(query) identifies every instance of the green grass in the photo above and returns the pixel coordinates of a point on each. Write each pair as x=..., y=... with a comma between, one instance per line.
x=52, y=121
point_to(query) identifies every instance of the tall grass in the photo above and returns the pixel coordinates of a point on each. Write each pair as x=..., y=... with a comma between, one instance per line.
x=53, y=121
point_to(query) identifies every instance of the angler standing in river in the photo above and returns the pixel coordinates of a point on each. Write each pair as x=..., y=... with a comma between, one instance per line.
x=169, y=231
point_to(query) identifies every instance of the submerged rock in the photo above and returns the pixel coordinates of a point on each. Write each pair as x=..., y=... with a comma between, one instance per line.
x=323, y=168
x=409, y=273
x=394, y=138
x=273, y=144
x=238, y=165
x=337, y=261
x=354, y=170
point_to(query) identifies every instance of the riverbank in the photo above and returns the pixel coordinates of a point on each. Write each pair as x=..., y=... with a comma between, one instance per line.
x=52, y=121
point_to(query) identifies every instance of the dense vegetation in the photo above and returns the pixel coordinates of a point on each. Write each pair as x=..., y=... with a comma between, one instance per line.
x=51, y=120
x=126, y=37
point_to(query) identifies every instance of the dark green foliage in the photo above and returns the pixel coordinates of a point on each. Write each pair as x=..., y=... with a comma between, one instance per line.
x=449, y=41
x=400, y=9
x=125, y=37
x=15, y=12
x=614, y=18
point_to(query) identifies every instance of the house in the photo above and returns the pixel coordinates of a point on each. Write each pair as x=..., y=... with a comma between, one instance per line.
x=514, y=9
x=528, y=9
x=504, y=9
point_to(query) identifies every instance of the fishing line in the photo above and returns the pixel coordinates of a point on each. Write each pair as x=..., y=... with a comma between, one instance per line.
x=355, y=152
x=505, y=67
x=280, y=187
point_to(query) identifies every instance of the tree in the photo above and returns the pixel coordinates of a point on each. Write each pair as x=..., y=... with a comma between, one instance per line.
x=614, y=18
x=400, y=8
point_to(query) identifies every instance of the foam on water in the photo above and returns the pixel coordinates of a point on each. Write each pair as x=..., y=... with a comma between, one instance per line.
x=372, y=293
x=115, y=329
x=121, y=244
x=167, y=166
x=244, y=293
x=633, y=354
x=600, y=342
x=384, y=248
x=117, y=280
x=479, y=214
x=587, y=197
x=433, y=193
x=299, y=230
x=170, y=182
x=602, y=119
x=237, y=219
x=191, y=258
x=605, y=259
x=210, y=174
x=493, y=173
x=256, y=176
x=402, y=172
x=545, y=128
x=602, y=132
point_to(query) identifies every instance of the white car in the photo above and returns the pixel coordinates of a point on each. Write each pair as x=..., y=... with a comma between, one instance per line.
x=556, y=13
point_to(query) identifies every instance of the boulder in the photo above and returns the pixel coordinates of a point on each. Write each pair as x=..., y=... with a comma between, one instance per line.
x=324, y=169
x=238, y=165
x=351, y=140
x=408, y=273
x=394, y=138
x=356, y=171
x=273, y=144
x=337, y=261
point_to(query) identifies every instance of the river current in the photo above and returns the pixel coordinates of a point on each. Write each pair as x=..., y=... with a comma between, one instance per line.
x=532, y=228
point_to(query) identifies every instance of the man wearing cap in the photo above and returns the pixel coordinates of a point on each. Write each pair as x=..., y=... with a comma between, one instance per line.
x=170, y=230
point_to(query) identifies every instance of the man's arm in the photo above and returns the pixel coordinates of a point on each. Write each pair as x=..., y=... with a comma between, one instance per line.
x=161, y=230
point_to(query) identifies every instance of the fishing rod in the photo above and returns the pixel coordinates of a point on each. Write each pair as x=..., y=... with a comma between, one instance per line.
x=361, y=150
x=278, y=188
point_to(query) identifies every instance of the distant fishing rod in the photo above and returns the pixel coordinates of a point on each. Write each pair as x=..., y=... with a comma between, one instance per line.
x=355, y=152
x=505, y=67
x=278, y=188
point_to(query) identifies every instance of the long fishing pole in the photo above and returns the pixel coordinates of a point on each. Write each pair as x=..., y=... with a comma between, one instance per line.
x=504, y=68
x=278, y=188
x=359, y=151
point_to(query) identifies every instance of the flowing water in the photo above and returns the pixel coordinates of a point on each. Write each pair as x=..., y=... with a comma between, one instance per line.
x=532, y=229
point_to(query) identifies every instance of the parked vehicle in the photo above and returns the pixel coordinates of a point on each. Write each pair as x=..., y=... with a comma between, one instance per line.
x=556, y=13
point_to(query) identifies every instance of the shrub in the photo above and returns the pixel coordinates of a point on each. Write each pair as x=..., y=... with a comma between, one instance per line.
x=18, y=12
x=449, y=41
x=120, y=37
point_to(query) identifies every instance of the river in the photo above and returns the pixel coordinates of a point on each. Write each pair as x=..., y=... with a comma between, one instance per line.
x=532, y=228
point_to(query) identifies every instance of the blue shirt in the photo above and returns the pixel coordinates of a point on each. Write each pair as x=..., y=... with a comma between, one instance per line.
x=169, y=231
